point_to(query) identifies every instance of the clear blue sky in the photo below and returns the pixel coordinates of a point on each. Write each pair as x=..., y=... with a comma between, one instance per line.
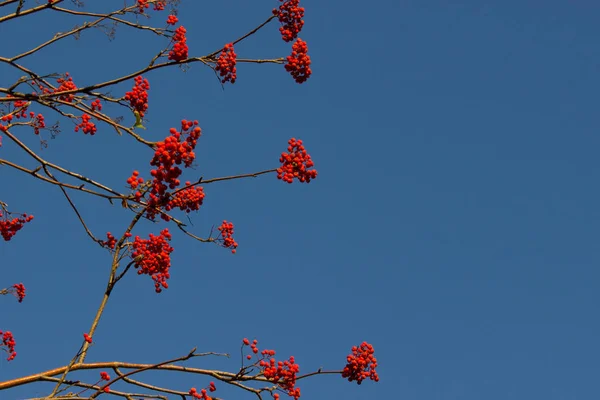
x=453, y=224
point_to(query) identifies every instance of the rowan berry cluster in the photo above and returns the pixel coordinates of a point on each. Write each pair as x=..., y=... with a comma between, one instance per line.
x=180, y=48
x=176, y=149
x=66, y=84
x=96, y=105
x=10, y=227
x=290, y=16
x=172, y=20
x=226, y=64
x=9, y=343
x=203, y=394
x=295, y=163
x=18, y=290
x=187, y=200
x=158, y=6
x=252, y=345
x=87, y=338
x=153, y=257
x=282, y=373
x=138, y=96
x=135, y=180
x=86, y=125
x=38, y=122
x=298, y=63
x=110, y=241
x=361, y=364
x=17, y=104
x=226, y=236
x=104, y=376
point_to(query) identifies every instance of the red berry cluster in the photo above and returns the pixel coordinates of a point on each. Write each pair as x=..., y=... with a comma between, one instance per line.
x=104, y=376
x=8, y=342
x=226, y=64
x=10, y=227
x=296, y=163
x=138, y=96
x=18, y=289
x=153, y=257
x=110, y=241
x=282, y=373
x=86, y=125
x=96, y=105
x=180, y=48
x=173, y=151
x=158, y=6
x=38, y=123
x=188, y=200
x=361, y=364
x=87, y=338
x=135, y=180
x=252, y=345
x=226, y=236
x=298, y=63
x=172, y=20
x=64, y=85
x=17, y=104
x=290, y=15
x=203, y=395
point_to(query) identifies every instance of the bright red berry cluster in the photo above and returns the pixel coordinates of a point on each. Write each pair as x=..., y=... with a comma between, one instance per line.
x=10, y=227
x=226, y=64
x=96, y=105
x=22, y=104
x=38, y=122
x=252, y=345
x=158, y=6
x=86, y=125
x=104, y=376
x=110, y=241
x=290, y=15
x=361, y=364
x=138, y=96
x=298, y=63
x=203, y=395
x=87, y=338
x=135, y=180
x=172, y=20
x=153, y=257
x=187, y=200
x=180, y=48
x=295, y=163
x=18, y=289
x=283, y=373
x=9, y=343
x=176, y=149
x=226, y=236
x=64, y=85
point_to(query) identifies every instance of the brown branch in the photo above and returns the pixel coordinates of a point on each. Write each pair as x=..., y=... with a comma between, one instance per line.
x=87, y=230
x=35, y=174
x=95, y=387
x=252, y=32
x=220, y=375
x=56, y=167
x=26, y=12
x=227, y=178
x=158, y=31
x=148, y=386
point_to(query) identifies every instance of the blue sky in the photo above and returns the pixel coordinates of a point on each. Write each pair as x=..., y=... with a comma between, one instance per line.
x=453, y=223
